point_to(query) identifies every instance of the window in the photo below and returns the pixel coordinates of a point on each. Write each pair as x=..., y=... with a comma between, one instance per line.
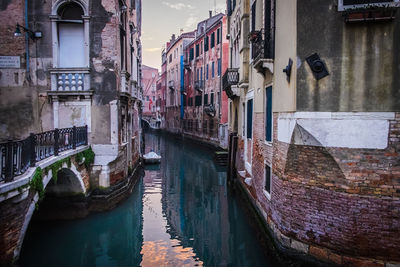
x=205, y=99
x=249, y=118
x=267, y=186
x=212, y=99
x=147, y=98
x=201, y=73
x=197, y=100
x=170, y=58
x=218, y=35
x=212, y=40
x=212, y=69
x=201, y=47
x=154, y=98
x=197, y=74
x=268, y=114
x=191, y=57
x=219, y=67
x=207, y=71
x=197, y=50
x=253, y=16
x=206, y=43
x=71, y=36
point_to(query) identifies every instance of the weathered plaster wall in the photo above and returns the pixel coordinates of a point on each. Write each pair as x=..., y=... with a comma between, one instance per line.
x=363, y=60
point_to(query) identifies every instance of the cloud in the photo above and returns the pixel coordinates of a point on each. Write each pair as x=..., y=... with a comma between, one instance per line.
x=191, y=21
x=154, y=49
x=178, y=6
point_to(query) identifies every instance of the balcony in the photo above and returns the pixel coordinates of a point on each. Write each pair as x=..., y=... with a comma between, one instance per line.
x=171, y=85
x=230, y=81
x=70, y=81
x=262, y=52
x=124, y=86
x=187, y=64
x=199, y=85
x=210, y=110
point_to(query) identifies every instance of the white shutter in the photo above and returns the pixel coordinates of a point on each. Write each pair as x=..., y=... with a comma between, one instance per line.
x=71, y=39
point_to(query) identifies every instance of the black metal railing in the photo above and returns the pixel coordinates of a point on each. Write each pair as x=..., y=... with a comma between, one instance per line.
x=17, y=156
x=262, y=48
x=199, y=85
x=231, y=77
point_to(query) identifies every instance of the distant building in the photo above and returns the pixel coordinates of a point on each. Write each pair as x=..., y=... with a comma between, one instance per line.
x=149, y=77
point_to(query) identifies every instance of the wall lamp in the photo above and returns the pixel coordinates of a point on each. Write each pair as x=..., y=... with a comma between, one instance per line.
x=33, y=35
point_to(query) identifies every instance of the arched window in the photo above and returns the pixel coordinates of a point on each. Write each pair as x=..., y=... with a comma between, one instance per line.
x=71, y=37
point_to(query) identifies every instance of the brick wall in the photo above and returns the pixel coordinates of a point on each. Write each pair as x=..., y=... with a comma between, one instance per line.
x=338, y=199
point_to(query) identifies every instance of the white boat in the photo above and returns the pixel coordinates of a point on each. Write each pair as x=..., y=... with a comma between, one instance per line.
x=151, y=158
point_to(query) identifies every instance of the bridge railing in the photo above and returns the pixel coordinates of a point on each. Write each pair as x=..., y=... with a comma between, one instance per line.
x=17, y=156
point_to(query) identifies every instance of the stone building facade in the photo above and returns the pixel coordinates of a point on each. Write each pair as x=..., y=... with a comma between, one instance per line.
x=149, y=77
x=174, y=57
x=83, y=68
x=205, y=105
x=315, y=111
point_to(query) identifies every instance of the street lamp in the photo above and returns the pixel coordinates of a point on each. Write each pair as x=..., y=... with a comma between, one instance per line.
x=33, y=35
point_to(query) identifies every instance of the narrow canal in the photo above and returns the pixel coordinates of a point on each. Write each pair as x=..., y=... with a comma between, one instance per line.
x=180, y=213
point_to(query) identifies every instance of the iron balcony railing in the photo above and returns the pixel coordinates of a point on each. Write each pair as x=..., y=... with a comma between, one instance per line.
x=261, y=48
x=199, y=85
x=17, y=156
x=231, y=77
x=210, y=110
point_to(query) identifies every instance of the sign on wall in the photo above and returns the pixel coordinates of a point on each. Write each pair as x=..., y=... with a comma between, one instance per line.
x=10, y=62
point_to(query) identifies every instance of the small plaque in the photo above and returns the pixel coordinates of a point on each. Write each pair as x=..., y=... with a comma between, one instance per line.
x=10, y=62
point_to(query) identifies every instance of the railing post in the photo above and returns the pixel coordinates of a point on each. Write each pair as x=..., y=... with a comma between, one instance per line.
x=74, y=137
x=56, y=141
x=9, y=172
x=32, y=145
x=86, y=135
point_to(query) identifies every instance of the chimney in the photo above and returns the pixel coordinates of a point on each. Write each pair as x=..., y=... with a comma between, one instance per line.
x=210, y=12
x=173, y=38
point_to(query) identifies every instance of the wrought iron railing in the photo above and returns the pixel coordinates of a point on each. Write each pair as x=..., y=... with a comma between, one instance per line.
x=17, y=156
x=171, y=84
x=231, y=77
x=262, y=48
x=199, y=85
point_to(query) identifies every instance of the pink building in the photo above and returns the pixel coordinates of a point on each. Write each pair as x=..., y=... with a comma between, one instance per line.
x=206, y=105
x=150, y=77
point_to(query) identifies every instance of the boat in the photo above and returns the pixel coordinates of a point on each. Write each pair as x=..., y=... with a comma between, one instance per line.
x=151, y=158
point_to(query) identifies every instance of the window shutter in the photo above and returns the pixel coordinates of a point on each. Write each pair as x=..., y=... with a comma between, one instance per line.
x=249, y=118
x=253, y=16
x=268, y=112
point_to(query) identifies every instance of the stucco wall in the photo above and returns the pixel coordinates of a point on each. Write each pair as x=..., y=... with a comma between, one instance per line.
x=363, y=60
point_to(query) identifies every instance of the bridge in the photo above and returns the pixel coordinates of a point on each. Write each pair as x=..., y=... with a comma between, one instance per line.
x=151, y=122
x=54, y=162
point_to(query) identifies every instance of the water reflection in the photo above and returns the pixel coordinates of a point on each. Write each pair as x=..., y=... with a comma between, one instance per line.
x=179, y=214
x=106, y=239
x=204, y=224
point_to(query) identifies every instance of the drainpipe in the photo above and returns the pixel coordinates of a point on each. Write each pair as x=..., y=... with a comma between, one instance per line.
x=220, y=75
x=28, y=75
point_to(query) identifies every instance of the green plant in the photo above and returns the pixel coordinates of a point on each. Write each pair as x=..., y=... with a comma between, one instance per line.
x=56, y=166
x=86, y=156
x=37, y=183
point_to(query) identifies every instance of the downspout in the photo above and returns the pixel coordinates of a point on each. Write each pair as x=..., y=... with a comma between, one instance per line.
x=28, y=75
x=220, y=74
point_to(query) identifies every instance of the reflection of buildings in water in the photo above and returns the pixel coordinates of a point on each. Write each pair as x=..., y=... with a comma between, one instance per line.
x=194, y=203
x=153, y=143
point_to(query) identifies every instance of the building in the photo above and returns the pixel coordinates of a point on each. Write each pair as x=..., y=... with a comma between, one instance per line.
x=175, y=80
x=205, y=107
x=66, y=71
x=314, y=118
x=149, y=77
x=162, y=89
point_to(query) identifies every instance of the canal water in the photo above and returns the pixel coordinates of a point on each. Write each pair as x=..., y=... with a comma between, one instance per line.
x=180, y=213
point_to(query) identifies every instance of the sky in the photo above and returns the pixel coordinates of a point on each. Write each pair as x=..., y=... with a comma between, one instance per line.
x=162, y=18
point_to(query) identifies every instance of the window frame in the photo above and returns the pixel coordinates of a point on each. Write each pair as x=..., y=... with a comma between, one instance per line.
x=342, y=7
x=267, y=168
